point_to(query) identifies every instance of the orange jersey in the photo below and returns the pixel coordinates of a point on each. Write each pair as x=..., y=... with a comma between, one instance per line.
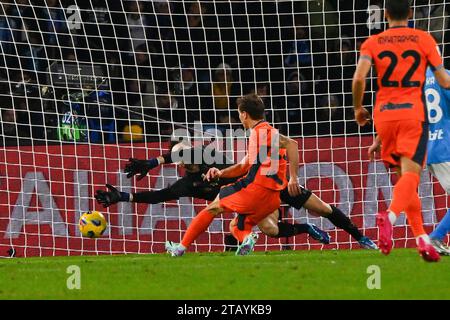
x=267, y=169
x=401, y=56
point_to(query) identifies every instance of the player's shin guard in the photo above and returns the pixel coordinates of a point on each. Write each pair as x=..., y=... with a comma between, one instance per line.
x=340, y=220
x=404, y=191
x=414, y=214
x=198, y=225
x=240, y=234
x=240, y=227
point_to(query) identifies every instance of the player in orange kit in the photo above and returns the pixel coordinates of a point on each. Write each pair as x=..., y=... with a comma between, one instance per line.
x=401, y=56
x=257, y=194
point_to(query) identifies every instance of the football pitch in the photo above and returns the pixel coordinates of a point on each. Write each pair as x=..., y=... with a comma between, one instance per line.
x=271, y=275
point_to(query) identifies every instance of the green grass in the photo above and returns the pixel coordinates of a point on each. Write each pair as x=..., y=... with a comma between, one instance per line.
x=273, y=275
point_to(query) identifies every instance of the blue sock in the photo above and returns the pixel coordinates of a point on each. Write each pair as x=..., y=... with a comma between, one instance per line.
x=442, y=229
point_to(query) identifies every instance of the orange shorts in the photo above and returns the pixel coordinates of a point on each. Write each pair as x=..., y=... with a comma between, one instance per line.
x=253, y=201
x=403, y=138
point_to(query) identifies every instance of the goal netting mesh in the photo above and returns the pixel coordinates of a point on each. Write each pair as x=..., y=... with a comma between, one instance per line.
x=85, y=85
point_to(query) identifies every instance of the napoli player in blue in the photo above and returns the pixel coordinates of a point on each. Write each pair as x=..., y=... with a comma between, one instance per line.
x=438, y=104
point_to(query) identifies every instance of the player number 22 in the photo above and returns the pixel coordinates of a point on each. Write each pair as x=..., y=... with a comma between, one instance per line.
x=406, y=81
x=434, y=109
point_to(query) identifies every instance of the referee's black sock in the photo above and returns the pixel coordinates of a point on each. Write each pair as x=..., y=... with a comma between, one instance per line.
x=340, y=220
x=288, y=229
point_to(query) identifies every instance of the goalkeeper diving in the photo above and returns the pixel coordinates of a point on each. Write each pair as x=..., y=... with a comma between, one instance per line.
x=192, y=184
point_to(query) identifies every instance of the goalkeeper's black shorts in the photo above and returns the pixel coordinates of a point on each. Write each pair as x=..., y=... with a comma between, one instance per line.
x=298, y=201
x=192, y=185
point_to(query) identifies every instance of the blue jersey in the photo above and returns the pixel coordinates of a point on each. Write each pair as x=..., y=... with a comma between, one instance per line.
x=438, y=105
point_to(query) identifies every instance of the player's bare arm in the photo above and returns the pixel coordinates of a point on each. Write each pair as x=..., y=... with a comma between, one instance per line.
x=236, y=170
x=374, y=148
x=291, y=147
x=362, y=116
x=442, y=77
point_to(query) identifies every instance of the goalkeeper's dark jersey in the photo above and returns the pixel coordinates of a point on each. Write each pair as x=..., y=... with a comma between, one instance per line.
x=192, y=184
x=204, y=157
x=203, y=160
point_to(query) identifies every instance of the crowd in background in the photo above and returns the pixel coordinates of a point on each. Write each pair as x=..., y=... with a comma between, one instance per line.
x=168, y=64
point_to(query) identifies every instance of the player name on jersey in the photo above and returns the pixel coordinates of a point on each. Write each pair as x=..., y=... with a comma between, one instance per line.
x=398, y=39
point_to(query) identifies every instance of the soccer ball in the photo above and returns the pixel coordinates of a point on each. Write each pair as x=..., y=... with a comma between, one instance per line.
x=92, y=224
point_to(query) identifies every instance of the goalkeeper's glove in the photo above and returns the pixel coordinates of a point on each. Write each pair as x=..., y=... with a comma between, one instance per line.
x=135, y=166
x=107, y=198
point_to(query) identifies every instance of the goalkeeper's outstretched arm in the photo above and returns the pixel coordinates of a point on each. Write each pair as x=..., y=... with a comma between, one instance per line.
x=142, y=167
x=113, y=196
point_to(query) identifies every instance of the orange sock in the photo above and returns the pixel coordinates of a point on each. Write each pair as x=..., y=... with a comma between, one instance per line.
x=198, y=225
x=240, y=234
x=404, y=191
x=414, y=215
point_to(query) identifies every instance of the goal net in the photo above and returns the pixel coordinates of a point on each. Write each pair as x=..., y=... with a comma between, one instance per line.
x=85, y=85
